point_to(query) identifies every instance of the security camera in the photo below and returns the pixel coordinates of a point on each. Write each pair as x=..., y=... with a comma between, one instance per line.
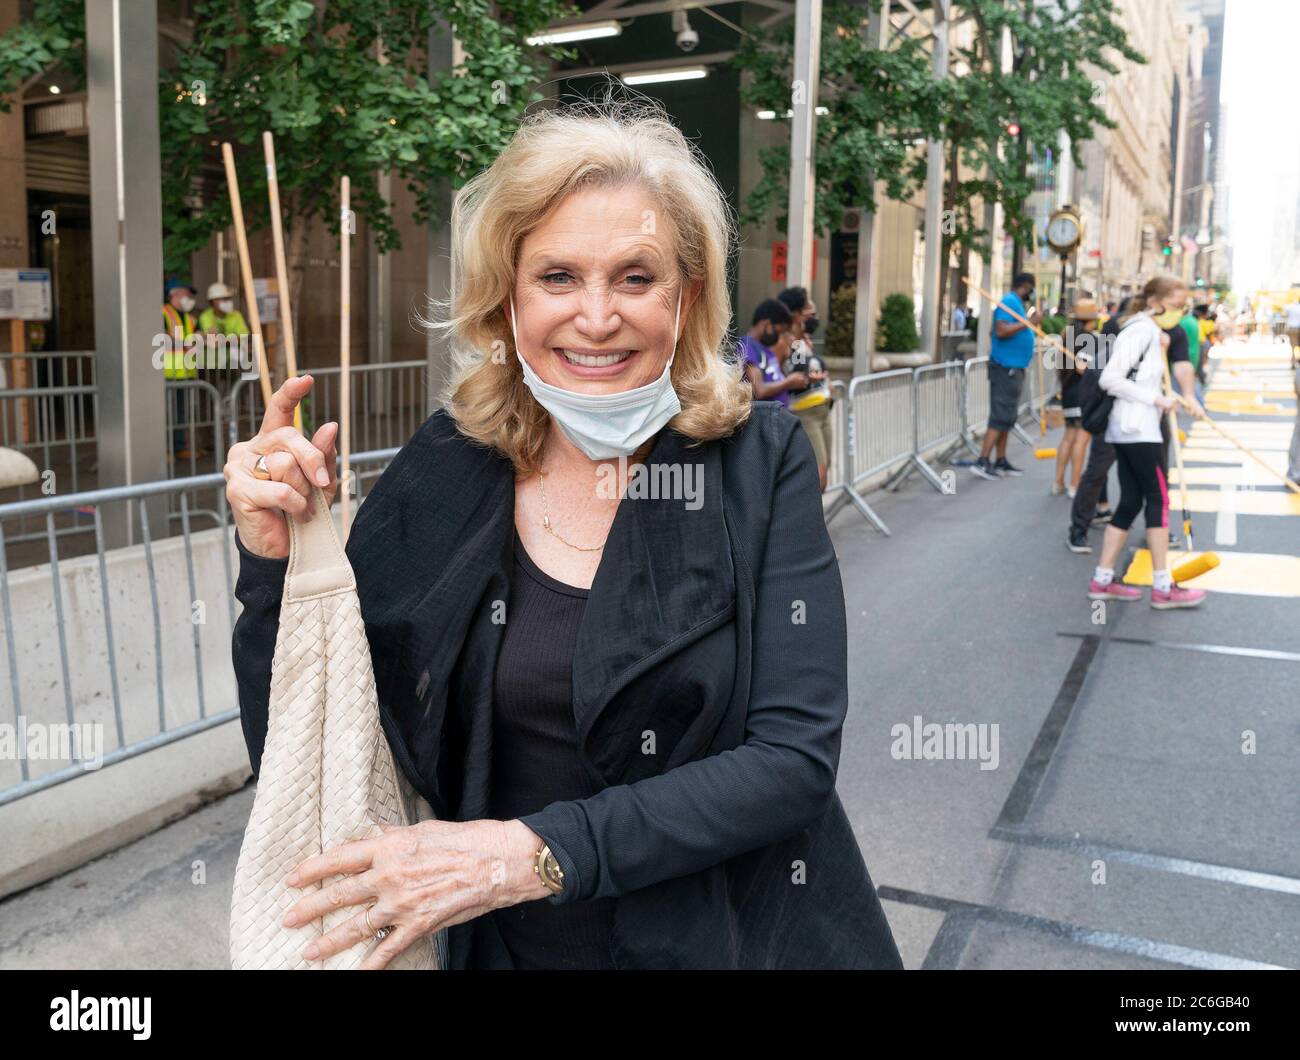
x=687, y=38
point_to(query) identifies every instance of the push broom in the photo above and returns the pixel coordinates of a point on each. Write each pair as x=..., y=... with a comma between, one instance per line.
x=1178, y=454
x=345, y=345
x=246, y=272
x=281, y=267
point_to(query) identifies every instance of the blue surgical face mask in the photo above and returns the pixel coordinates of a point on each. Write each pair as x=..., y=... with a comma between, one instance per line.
x=605, y=426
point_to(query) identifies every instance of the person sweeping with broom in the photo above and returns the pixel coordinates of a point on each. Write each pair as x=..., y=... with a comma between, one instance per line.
x=1133, y=378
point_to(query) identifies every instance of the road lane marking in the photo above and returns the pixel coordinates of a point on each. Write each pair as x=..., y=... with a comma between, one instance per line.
x=1225, y=523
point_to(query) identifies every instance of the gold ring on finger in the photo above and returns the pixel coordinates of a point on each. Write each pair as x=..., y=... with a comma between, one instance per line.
x=379, y=933
x=260, y=469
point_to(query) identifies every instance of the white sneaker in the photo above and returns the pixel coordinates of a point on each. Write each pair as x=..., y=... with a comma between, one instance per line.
x=1056, y=490
x=1072, y=491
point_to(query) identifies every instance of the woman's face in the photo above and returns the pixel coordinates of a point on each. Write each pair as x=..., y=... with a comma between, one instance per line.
x=596, y=288
x=1176, y=299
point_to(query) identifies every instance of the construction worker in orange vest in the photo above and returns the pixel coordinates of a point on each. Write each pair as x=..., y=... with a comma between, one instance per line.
x=179, y=325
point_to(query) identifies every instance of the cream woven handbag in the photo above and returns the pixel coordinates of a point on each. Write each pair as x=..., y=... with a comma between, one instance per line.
x=327, y=773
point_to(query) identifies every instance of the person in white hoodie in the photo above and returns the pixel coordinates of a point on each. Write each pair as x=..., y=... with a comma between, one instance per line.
x=1134, y=375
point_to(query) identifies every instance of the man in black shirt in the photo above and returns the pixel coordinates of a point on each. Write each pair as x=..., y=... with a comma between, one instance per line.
x=1091, y=506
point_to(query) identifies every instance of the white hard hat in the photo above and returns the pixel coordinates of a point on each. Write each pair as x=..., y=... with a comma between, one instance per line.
x=219, y=290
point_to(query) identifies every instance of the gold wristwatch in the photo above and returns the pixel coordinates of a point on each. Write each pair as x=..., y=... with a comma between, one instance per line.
x=549, y=871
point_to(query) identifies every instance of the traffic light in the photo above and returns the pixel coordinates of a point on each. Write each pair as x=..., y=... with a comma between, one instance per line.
x=1200, y=281
x=1168, y=249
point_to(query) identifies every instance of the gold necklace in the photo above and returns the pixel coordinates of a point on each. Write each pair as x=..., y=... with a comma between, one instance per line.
x=546, y=520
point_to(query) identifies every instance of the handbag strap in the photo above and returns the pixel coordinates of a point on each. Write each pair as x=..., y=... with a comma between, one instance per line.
x=318, y=566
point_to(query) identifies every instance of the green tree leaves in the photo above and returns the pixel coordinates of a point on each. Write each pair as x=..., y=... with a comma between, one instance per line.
x=343, y=85
x=882, y=106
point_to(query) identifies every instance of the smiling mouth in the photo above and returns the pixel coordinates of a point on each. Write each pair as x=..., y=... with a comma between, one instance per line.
x=595, y=360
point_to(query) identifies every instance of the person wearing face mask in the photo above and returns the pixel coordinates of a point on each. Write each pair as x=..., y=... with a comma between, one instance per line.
x=757, y=352
x=221, y=322
x=812, y=402
x=1009, y=357
x=1134, y=377
x=599, y=691
x=178, y=327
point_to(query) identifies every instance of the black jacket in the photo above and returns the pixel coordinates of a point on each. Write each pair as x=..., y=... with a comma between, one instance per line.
x=714, y=636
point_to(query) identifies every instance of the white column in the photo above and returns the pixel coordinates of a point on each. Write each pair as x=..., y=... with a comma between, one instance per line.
x=993, y=225
x=931, y=287
x=864, y=313
x=126, y=241
x=803, y=129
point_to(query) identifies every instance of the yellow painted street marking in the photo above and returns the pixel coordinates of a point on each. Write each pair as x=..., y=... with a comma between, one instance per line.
x=1250, y=433
x=1258, y=426
x=1246, y=408
x=1236, y=390
x=1247, y=573
x=1244, y=502
x=1242, y=359
x=1256, y=377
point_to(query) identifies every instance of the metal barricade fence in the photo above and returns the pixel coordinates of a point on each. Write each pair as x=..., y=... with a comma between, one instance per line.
x=48, y=410
x=388, y=403
x=181, y=584
x=837, y=474
x=936, y=417
x=882, y=414
x=975, y=401
x=878, y=428
x=1040, y=387
x=55, y=424
x=56, y=428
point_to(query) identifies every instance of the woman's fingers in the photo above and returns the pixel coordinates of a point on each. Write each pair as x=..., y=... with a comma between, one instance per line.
x=348, y=933
x=353, y=857
x=280, y=412
x=324, y=439
x=394, y=943
x=350, y=890
x=310, y=459
x=259, y=495
x=284, y=468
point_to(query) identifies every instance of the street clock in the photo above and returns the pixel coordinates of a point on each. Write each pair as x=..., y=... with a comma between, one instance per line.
x=1065, y=230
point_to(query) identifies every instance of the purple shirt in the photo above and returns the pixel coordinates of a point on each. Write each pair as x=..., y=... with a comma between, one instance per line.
x=755, y=353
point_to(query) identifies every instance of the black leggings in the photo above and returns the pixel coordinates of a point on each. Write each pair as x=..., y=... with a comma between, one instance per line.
x=1141, y=481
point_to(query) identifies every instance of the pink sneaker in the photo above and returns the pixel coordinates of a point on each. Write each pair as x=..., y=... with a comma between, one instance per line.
x=1177, y=596
x=1113, y=591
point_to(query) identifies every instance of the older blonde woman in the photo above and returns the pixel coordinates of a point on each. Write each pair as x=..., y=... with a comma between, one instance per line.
x=621, y=694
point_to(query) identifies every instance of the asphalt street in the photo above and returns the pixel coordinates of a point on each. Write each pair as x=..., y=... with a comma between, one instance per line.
x=1140, y=810
x=1125, y=825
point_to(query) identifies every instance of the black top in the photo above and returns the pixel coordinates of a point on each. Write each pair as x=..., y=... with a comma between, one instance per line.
x=686, y=633
x=1179, y=348
x=535, y=760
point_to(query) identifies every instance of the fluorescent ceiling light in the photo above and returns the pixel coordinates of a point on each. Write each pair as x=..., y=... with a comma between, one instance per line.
x=768, y=115
x=667, y=73
x=567, y=34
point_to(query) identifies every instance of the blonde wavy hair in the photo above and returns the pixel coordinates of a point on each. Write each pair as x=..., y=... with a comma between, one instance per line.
x=606, y=144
